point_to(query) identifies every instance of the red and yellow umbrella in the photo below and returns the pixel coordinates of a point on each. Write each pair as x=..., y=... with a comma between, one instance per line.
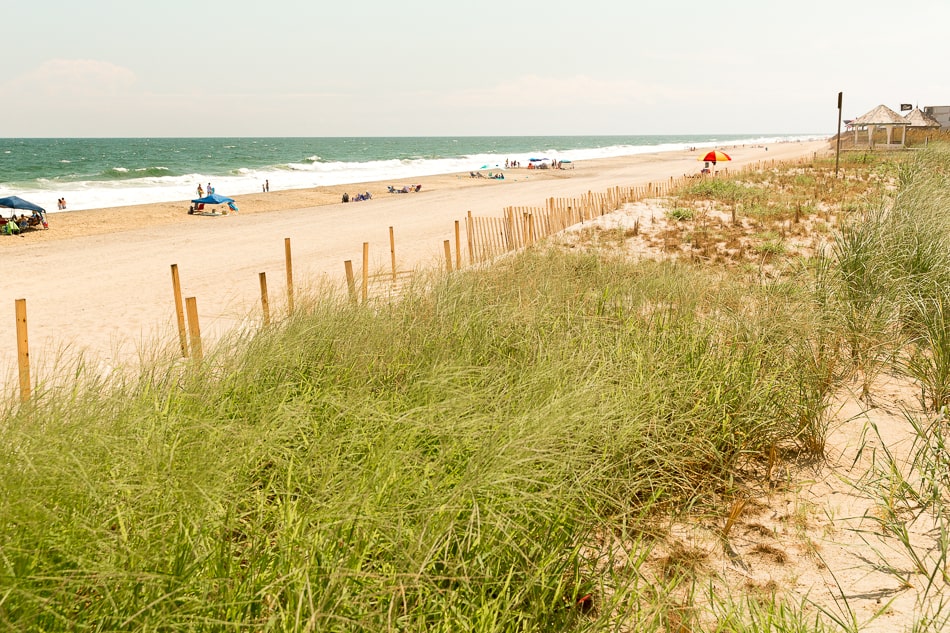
x=714, y=156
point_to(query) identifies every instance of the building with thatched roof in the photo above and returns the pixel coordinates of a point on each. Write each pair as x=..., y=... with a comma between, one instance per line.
x=884, y=117
x=920, y=119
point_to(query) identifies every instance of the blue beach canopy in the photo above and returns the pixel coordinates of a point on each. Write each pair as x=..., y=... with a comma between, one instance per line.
x=213, y=199
x=15, y=202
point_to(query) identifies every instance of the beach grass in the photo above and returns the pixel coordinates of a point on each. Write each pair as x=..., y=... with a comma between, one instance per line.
x=497, y=449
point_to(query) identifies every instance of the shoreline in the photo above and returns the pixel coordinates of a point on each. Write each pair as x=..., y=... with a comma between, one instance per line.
x=75, y=223
x=97, y=282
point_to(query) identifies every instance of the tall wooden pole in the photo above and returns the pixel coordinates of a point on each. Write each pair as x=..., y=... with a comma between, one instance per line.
x=458, y=246
x=448, y=255
x=179, y=311
x=23, y=350
x=290, y=276
x=838, y=148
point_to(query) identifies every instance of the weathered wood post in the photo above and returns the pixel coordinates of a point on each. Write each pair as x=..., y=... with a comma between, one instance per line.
x=365, y=271
x=179, y=311
x=458, y=246
x=265, y=305
x=448, y=255
x=468, y=234
x=392, y=251
x=23, y=350
x=290, y=276
x=194, y=329
x=350, y=280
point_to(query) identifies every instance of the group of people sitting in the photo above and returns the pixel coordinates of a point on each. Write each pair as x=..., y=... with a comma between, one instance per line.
x=15, y=224
x=493, y=176
x=358, y=197
x=405, y=189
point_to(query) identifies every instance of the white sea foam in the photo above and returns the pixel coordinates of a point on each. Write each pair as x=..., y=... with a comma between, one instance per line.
x=315, y=173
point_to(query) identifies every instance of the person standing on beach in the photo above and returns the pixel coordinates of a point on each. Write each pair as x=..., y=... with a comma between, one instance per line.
x=201, y=192
x=267, y=185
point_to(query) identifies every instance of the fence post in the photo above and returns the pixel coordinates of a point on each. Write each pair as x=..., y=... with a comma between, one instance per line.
x=365, y=271
x=23, y=350
x=179, y=311
x=392, y=251
x=290, y=276
x=194, y=329
x=468, y=234
x=448, y=255
x=350, y=280
x=458, y=246
x=265, y=306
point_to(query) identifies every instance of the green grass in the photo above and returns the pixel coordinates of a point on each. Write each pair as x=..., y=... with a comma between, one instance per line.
x=492, y=451
x=443, y=462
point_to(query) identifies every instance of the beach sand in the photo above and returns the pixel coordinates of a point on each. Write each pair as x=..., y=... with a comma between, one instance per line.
x=98, y=282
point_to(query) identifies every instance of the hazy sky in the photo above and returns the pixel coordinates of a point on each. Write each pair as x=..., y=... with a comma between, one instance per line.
x=421, y=67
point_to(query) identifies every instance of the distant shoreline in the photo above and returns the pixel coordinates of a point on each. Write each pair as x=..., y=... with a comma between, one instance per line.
x=75, y=223
x=107, y=173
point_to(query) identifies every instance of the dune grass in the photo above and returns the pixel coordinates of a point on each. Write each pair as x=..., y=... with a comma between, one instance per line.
x=495, y=450
x=452, y=460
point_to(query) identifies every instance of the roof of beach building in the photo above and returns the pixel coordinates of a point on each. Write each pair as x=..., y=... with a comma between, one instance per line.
x=881, y=115
x=919, y=118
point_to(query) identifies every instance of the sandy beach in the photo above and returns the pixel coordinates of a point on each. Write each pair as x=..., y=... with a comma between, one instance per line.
x=98, y=282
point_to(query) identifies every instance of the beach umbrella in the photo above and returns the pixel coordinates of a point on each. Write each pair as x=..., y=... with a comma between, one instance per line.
x=714, y=156
x=15, y=202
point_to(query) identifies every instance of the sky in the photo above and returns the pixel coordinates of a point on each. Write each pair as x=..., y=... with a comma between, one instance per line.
x=172, y=68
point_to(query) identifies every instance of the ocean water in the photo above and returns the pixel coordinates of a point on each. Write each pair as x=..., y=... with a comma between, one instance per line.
x=113, y=172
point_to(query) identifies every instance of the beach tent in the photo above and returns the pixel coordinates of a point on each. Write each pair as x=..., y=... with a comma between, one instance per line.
x=214, y=198
x=37, y=213
x=15, y=202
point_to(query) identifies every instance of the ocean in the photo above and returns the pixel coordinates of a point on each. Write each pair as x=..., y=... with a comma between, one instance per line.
x=94, y=173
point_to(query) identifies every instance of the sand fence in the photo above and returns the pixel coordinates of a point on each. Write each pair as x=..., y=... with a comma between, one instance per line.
x=485, y=239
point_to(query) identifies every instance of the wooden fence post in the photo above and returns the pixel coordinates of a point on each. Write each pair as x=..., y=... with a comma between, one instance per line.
x=194, y=329
x=469, y=228
x=392, y=251
x=23, y=350
x=290, y=276
x=350, y=280
x=179, y=311
x=265, y=306
x=448, y=255
x=365, y=271
x=458, y=246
